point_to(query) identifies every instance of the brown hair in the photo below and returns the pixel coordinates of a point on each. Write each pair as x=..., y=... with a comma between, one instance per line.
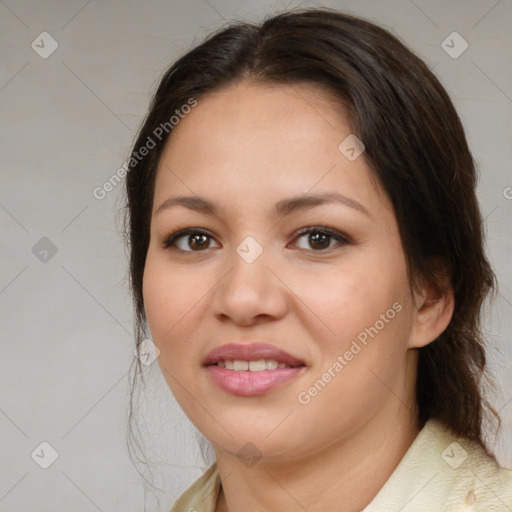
x=415, y=145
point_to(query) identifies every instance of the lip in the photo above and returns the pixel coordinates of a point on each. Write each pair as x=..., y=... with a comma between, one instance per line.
x=248, y=383
x=250, y=352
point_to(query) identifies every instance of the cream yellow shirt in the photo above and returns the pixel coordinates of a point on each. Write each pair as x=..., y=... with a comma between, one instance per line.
x=438, y=473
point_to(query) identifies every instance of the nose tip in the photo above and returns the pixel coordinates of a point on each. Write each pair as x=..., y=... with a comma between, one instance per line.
x=249, y=292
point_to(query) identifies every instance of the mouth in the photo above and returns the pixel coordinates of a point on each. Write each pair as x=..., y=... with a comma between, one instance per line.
x=254, y=357
x=251, y=369
x=257, y=365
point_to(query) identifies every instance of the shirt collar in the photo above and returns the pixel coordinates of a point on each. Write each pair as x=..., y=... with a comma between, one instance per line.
x=439, y=472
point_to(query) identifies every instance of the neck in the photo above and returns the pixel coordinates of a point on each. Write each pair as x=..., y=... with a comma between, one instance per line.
x=350, y=472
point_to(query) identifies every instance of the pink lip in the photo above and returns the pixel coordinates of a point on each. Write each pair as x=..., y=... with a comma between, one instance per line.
x=247, y=383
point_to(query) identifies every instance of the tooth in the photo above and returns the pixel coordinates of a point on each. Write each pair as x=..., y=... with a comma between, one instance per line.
x=240, y=365
x=253, y=366
x=257, y=366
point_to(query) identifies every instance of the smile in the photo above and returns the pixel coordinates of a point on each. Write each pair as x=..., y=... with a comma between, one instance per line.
x=251, y=369
x=252, y=366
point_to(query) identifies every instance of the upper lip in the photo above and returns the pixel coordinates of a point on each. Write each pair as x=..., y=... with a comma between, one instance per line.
x=250, y=352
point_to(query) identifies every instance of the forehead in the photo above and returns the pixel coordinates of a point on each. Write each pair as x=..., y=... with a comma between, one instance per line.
x=262, y=105
x=249, y=112
x=263, y=140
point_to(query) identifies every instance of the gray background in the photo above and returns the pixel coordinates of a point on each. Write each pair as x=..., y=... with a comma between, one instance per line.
x=67, y=125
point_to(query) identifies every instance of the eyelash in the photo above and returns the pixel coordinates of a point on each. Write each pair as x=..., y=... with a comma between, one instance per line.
x=341, y=239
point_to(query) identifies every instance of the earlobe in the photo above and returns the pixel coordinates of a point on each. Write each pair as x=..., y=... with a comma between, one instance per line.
x=434, y=310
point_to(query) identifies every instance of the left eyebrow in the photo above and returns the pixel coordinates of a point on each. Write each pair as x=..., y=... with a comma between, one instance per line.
x=287, y=206
x=282, y=208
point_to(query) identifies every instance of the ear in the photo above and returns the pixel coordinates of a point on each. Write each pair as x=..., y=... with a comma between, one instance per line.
x=434, y=306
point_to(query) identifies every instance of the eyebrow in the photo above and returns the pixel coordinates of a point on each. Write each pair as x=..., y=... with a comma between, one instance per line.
x=281, y=209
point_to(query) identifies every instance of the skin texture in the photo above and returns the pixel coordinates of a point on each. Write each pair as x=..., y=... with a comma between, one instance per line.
x=246, y=147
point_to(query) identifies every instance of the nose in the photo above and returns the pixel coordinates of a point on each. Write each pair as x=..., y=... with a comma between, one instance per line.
x=250, y=292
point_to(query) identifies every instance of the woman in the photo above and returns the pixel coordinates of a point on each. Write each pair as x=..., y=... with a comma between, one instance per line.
x=307, y=253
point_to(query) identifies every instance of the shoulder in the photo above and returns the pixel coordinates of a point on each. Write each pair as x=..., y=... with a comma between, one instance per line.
x=478, y=481
x=202, y=495
x=443, y=472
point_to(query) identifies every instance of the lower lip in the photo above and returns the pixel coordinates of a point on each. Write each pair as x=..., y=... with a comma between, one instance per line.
x=247, y=383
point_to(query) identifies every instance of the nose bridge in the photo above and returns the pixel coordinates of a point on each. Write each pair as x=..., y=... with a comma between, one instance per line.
x=248, y=276
x=249, y=249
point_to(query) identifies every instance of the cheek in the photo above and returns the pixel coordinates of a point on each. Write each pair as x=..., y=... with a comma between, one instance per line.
x=169, y=299
x=351, y=295
x=366, y=319
x=172, y=300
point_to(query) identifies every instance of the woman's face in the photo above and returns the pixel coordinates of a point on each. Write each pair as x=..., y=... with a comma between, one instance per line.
x=259, y=164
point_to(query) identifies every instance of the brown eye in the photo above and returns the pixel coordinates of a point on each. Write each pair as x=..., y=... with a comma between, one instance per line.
x=189, y=240
x=197, y=241
x=320, y=239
